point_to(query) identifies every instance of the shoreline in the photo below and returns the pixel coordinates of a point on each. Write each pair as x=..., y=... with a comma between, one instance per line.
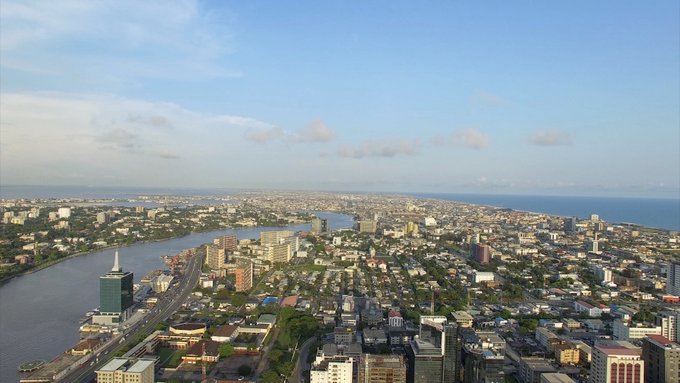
x=83, y=253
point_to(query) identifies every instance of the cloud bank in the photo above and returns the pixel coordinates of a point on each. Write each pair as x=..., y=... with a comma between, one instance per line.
x=550, y=138
x=384, y=148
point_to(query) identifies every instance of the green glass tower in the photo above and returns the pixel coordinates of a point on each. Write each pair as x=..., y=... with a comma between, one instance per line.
x=115, y=292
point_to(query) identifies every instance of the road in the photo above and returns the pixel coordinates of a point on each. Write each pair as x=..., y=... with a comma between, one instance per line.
x=302, y=365
x=145, y=325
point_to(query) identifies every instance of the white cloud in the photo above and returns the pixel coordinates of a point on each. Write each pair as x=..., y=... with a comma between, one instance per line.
x=550, y=138
x=469, y=138
x=47, y=135
x=316, y=131
x=121, y=40
x=384, y=148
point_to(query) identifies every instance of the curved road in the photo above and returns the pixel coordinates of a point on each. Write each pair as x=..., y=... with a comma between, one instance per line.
x=146, y=325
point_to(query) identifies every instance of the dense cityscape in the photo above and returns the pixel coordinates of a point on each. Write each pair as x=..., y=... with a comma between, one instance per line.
x=415, y=290
x=306, y=191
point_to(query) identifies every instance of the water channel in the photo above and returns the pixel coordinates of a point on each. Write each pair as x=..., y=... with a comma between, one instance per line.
x=40, y=312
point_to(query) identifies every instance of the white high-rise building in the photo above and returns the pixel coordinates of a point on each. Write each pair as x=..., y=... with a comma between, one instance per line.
x=673, y=280
x=668, y=320
x=64, y=212
x=338, y=369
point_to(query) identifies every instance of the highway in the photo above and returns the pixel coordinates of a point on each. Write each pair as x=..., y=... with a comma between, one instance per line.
x=170, y=303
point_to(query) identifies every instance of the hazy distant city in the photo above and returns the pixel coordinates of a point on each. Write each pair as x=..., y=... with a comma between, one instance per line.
x=339, y=192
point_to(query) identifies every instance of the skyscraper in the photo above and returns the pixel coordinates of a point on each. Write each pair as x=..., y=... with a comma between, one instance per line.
x=481, y=253
x=215, y=256
x=673, y=280
x=115, y=295
x=227, y=242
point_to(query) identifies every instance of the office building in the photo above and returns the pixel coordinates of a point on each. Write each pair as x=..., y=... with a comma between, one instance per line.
x=244, y=276
x=570, y=224
x=425, y=362
x=115, y=295
x=319, y=225
x=216, y=257
x=668, y=320
x=622, y=331
x=274, y=237
x=227, y=242
x=124, y=370
x=482, y=357
x=673, y=279
x=662, y=360
x=382, y=369
x=481, y=253
x=616, y=362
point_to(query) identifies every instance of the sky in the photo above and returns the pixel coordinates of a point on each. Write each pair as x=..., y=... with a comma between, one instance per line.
x=494, y=97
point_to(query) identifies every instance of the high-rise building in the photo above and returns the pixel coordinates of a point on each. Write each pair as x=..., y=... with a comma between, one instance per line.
x=436, y=334
x=227, y=242
x=570, y=224
x=368, y=226
x=669, y=320
x=215, y=257
x=616, y=362
x=482, y=357
x=673, y=279
x=244, y=276
x=662, y=360
x=382, y=369
x=338, y=369
x=274, y=237
x=280, y=253
x=319, y=225
x=425, y=362
x=481, y=253
x=115, y=295
x=531, y=369
x=64, y=212
x=124, y=370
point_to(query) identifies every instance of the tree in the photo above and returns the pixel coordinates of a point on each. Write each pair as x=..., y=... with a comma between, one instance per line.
x=238, y=299
x=226, y=350
x=244, y=370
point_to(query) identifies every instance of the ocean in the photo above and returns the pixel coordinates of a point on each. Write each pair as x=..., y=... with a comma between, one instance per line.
x=661, y=213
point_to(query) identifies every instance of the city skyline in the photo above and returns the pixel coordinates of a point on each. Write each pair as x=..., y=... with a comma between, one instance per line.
x=555, y=99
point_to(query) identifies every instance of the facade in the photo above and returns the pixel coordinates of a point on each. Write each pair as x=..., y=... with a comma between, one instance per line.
x=319, y=225
x=338, y=369
x=668, y=320
x=64, y=212
x=483, y=355
x=531, y=369
x=124, y=370
x=280, y=253
x=394, y=319
x=244, y=276
x=382, y=369
x=115, y=295
x=481, y=253
x=673, y=279
x=274, y=237
x=215, y=257
x=617, y=362
x=425, y=362
x=368, y=226
x=622, y=331
x=227, y=242
x=662, y=360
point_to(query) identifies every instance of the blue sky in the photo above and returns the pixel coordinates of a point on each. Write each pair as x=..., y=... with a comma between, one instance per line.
x=507, y=97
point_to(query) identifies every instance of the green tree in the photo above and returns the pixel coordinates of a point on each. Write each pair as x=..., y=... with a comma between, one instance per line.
x=226, y=350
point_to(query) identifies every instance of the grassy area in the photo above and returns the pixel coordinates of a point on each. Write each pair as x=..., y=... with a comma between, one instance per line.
x=170, y=358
